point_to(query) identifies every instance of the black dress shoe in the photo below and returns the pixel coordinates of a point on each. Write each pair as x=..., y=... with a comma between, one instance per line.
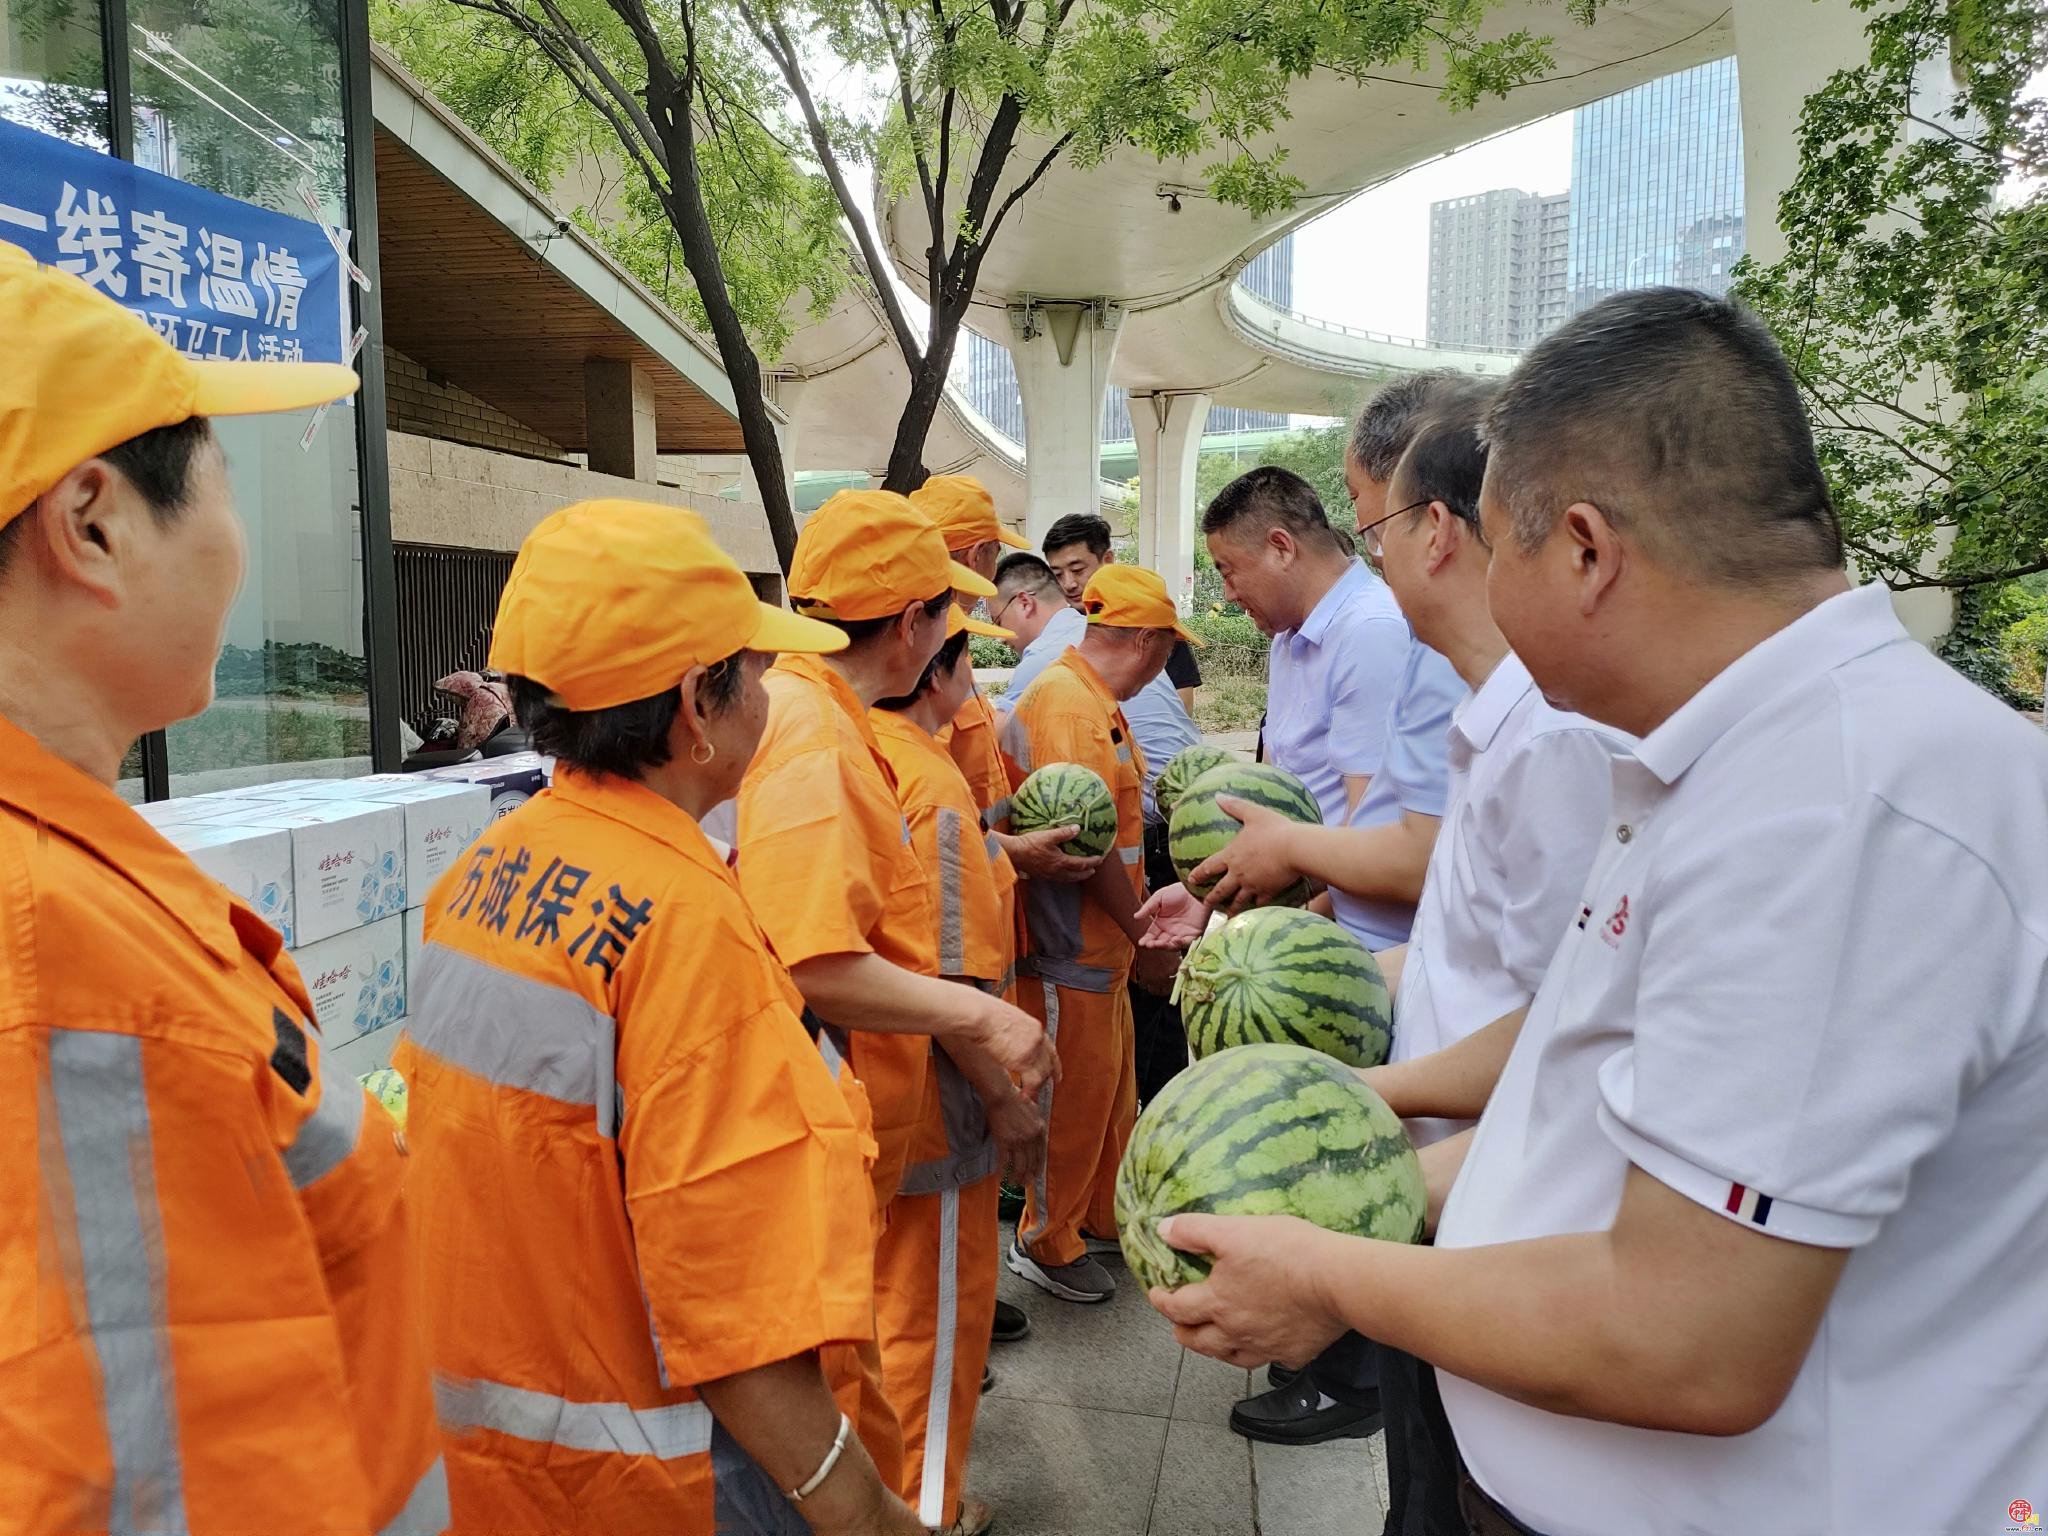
x=1278, y=1375
x=1011, y=1324
x=1299, y=1414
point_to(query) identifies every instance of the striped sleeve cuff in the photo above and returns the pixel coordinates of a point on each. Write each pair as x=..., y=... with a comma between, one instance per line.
x=1757, y=1209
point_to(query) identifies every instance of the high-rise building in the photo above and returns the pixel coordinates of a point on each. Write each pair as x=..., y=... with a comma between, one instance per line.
x=985, y=375
x=1497, y=268
x=1657, y=186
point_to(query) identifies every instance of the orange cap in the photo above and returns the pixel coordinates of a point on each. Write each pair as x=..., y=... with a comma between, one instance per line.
x=964, y=511
x=959, y=623
x=612, y=601
x=868, y=554
x=83, y=375
x=1131, y=597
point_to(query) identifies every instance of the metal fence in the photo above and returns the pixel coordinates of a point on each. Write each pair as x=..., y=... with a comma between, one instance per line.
x=447, y=599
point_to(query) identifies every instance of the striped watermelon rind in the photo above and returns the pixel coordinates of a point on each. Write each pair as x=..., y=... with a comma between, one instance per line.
x=1287, y=976
x=1182, y=769
x=1067, y=795
x=1264, y=1130
x=1199, y=828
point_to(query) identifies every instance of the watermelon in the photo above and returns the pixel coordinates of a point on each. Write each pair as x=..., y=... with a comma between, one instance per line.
x=1264, y=1130
x=1186, y=766
x=1280, y=974
x=1199, y=828
x=1067, y=795
x=388, y=1088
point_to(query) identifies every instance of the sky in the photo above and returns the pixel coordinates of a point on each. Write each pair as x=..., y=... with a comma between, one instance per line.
x=1386, y=230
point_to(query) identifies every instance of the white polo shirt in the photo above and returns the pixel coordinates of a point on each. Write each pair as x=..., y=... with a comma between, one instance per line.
x=1809, y=989
x=1529, y=790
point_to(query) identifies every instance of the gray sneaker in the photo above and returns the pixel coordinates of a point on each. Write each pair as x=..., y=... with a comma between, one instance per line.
x=1084, y=1280
x=1102, y=1247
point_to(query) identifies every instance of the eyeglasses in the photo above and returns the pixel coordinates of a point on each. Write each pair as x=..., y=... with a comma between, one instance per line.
x=996, y=618
x=1370, y=532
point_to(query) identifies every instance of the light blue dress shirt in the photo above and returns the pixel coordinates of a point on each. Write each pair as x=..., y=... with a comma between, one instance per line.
x=1414, y=775
x=1156, y=716
x=1331, y=685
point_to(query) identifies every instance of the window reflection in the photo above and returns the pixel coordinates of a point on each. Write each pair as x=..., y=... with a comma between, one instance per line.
x=52, y=69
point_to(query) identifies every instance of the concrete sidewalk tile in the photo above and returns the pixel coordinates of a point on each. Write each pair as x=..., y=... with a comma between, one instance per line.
x=1209, y=1389
x=1118, y=1354
x=1052, y=1470
x=1205, y=1483
x=1316, y=1490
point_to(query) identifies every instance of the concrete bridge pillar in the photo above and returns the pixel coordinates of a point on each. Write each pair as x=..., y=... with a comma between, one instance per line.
x=1062, y=350
x=1169, y=431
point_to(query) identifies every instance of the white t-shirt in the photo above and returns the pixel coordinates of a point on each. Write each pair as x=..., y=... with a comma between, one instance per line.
x=1529, y=788
x=1808, y=988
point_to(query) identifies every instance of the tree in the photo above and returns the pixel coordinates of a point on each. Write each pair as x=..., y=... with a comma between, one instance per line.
x=1913, y=299
x=974, y=103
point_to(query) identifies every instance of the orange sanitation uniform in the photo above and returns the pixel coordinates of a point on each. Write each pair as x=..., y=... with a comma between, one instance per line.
x=209, y=1310
x=1075, y=975
x=973, y=740
x=826, y=862
x=638, y=1172
x=935, y=1269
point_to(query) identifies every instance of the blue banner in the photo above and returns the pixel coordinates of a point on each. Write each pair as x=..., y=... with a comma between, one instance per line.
x=216, y=277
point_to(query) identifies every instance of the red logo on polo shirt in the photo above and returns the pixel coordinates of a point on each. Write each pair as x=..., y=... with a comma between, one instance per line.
x=1615, y=926
x=2022, y=1515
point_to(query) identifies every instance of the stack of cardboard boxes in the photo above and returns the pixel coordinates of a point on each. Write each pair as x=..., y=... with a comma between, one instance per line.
x=342, y=869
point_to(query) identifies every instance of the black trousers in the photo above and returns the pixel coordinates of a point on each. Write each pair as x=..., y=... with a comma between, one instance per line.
x=1423, y=1469
x=1349, y=1371
x=1161, y=1039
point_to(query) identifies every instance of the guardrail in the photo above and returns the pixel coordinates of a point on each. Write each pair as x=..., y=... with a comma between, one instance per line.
x=1338, y=328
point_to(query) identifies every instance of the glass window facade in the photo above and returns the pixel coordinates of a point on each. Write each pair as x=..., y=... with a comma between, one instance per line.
x=246, y=98
x=1657, y=186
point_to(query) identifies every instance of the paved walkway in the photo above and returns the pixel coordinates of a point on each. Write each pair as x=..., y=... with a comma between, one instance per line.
x=1100, y=1425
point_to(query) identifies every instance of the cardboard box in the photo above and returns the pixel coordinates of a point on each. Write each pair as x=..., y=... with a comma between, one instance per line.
x=366, y=1053
x=348, y=863
x=253, y=862
x=415, y=940
x=512, y=780
x=356, y=979
x=441, y=819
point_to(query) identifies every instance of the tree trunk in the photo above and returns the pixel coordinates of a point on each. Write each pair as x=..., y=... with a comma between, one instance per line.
x=684, y=203
x=927, y=389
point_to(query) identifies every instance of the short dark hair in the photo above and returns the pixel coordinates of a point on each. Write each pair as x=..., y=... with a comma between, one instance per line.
x=1390, y=419
x=860, y=631
x=625, y=740
x=1023, y=571
x=1271, y=497
x=1446, y=463
x=1079, y=528
x=158, y=463
x=947, y=656
x=1676, y=415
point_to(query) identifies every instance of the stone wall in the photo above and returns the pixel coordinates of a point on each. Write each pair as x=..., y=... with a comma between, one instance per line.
x=414, y=402
x=454, y=494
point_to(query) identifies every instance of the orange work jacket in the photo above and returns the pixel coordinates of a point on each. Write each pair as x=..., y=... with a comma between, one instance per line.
x=826, y=863
x=209, y=1312
x=637, y=1170
x=973, y=740
x=975, y=919
x=1068, y=715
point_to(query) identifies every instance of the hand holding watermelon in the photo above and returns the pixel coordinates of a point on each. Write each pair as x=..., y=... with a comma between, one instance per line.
x=1042, y=855
x=1256, y=867
x=1263, y=1298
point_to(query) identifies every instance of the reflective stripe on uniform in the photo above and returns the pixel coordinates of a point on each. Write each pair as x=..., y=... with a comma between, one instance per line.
x=991, y=847
x=1039, y=1201
x=668, y=1432
x=831, y=1048
x=514, y=1032
x=1068, y=973
x=330, y=1133
x=426, y=1508
x=931, y=1497
x=1131, y=855
x=103, y=1125
x=952, y=876
x=996, y=814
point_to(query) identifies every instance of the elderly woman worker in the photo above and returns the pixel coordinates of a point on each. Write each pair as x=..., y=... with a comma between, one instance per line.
x=648, y=1195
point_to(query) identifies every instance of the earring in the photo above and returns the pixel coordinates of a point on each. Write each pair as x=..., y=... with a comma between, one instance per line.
x=707, y=749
